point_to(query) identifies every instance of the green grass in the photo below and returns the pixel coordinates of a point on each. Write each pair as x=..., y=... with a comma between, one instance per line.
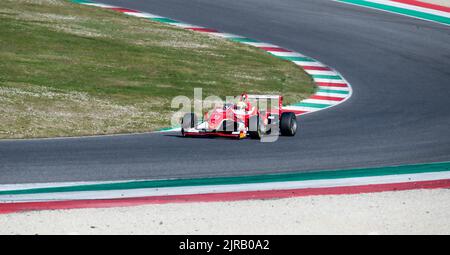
x=68, y=69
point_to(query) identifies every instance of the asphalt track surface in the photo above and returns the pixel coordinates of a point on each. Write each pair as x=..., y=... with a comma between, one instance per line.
x=399, y=68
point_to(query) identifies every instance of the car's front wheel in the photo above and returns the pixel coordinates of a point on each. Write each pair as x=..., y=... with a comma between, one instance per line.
x=254, y=127
x=188, y=121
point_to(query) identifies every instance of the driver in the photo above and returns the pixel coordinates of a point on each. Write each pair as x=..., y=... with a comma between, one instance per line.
x=241, y=106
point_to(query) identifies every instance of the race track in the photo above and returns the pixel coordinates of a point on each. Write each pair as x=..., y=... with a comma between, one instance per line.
x=399, y=68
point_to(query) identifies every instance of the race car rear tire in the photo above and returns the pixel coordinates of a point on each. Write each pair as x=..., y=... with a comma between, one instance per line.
x=189, y=120
x=288, y=124
x=254, y=128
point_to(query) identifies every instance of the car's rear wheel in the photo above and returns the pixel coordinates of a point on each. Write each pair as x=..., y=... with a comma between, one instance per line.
x=288, y=124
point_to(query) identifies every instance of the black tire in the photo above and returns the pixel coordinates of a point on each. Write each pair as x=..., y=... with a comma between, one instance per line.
x=288, y=124
x=189, y=120
x=229, y=126
x=254, y=130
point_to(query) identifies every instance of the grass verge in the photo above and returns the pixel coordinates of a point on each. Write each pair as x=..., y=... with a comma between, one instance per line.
x=70, y=70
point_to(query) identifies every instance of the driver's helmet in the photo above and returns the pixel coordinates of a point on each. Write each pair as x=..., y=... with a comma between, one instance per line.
x=226, y=106
x=240, y=106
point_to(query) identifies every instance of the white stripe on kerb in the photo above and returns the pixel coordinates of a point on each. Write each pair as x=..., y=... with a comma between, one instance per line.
x=306, y=63
x=337, y=88
x=142, y=15
x=301, y=108
x=328, y=80
x=227, y=35
x=286, y=54
x=101, y=5
x=320, y=72
x=261, y=44
x=186, y=25
x=319, y=101
x=215, y=34
x=328, y=94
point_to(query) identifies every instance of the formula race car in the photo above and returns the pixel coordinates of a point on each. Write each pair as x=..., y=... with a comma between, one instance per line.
x=242, y=119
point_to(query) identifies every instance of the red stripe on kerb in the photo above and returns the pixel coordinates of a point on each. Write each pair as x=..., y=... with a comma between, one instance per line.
x=200, y=29
x=218, y=197
x=318, y=68
x=330, y=84
x=425, y=5
x=274, y=49
x=327, y=98
x=122, y=9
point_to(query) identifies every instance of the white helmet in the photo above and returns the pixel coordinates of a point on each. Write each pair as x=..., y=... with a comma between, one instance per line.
x=241, y=106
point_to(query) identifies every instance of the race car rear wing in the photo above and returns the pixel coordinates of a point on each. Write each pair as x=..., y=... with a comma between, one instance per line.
x=268, y=97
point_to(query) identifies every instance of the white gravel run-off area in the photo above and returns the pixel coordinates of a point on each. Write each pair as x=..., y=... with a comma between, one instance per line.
x=400, y=212
x=438, y=2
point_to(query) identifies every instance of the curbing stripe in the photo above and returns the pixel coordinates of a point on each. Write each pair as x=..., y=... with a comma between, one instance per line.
x=307, y=63
x=200, y=29
x=333, y=88
x=312, y=105
x=320, y=72
x=269, y=178
x=318, y=68
x=402, y=9
x=165, y=20
x=275, y=49
x=299, y=59
x=219, y=197
x=311, y=101
x=329, y=83
x=301, y=109
x=142, y=15
x=329, y=94
x=229, y=36
x=332, y=91
x=285, y=54
x=260, y=44
x=187, y=26
x=243, y=39
x=209, y=189
x=328, y=98
x=124, y=10
x=331, y=77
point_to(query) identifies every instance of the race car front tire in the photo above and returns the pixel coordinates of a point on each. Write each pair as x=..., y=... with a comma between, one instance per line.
x=188, y=121
x=254, y=130
x=288, y=124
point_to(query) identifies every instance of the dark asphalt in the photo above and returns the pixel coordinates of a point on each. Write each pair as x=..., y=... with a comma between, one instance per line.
x=399, y=68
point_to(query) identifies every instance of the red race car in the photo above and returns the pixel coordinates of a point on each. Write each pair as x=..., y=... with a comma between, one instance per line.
x=242, y=119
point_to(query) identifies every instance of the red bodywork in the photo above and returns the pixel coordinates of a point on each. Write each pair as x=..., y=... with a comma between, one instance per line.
x=229, y=112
